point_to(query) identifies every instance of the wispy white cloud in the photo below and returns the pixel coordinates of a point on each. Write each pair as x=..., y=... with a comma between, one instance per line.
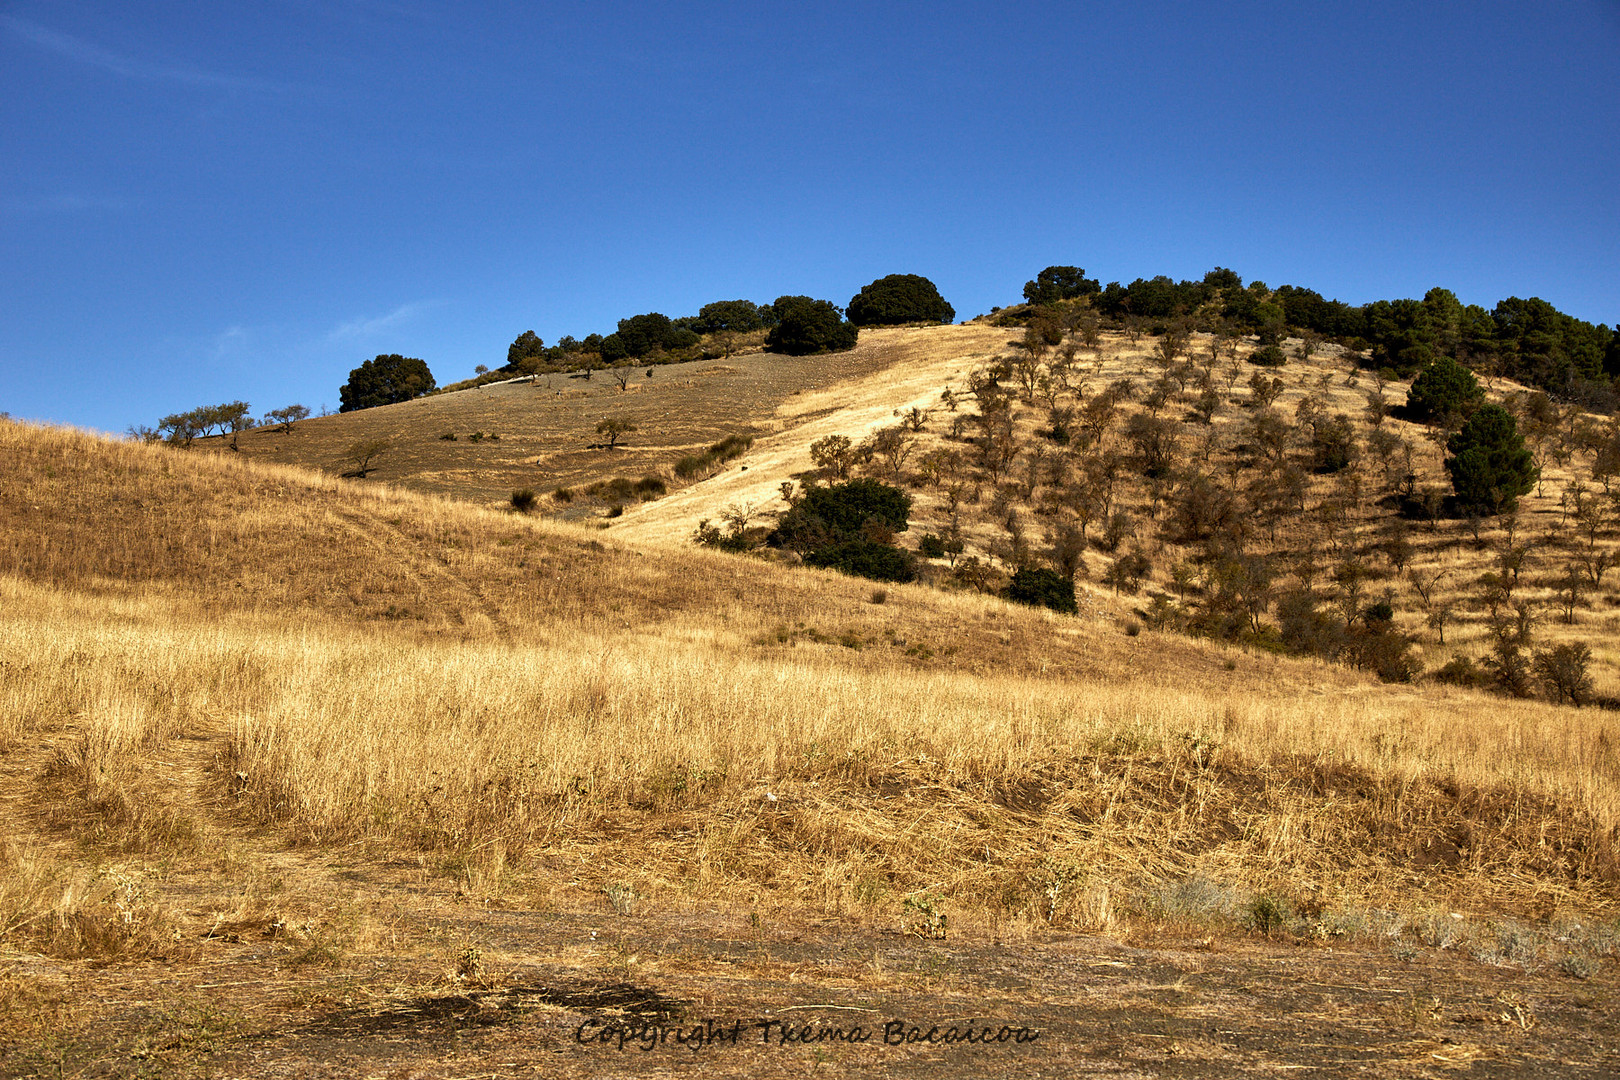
x=229, y=341
x=85, y=52
x=369, y=327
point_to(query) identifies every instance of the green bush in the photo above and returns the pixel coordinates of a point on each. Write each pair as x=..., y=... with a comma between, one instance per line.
x=523, y=500
x=1039, y=587
x=807, y=326
x=867, y=559
x=1268, y=914
x=1268, y=356
x=897, y=299
x=846, y=508
x=1443, y=388
x=932, y=547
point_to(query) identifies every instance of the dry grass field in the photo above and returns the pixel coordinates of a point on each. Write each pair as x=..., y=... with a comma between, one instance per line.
x=544, y=427
x=305, y=774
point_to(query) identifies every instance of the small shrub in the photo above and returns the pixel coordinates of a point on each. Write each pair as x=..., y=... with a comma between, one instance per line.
x=1194, y=901
x=924, y=916
x=616, y=510
x=448, y=436
x=1043, y=588
x=732, y=446
x=1564, y=675
x=523, y=500
x=1268, y=356
x=931, y=547
x=1461, y=671
x=622, y=897
x=1578, y=965
x=608, y=488
x=563, y=495
x=693, y=466
x=1133, y=629
x=470, y=962
x=880, y=596
x=1268, y=914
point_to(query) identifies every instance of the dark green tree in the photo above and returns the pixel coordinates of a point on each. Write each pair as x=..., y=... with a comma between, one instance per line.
x=1443, y=388
x=643, y=334
x=897, y=299
x=527, y=347
x=737, y=316
x=805, y=326
x=1546, y=347
x=385, y=381
x=1058, y=283
x=1489, y=466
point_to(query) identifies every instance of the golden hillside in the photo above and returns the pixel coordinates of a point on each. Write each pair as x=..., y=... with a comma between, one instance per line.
x=253, y=715
x=470, y=652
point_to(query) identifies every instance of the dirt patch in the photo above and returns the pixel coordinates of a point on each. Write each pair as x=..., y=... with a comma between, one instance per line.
x=704, y=994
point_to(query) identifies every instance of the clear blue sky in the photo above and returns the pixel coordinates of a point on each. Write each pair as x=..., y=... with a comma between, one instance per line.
x=201, y=202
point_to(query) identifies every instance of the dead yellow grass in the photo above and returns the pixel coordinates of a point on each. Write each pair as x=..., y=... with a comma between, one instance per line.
x=553, y=710
x=921, y=363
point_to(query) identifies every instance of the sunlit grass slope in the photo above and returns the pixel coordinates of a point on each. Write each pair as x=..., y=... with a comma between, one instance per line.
x=558, y=711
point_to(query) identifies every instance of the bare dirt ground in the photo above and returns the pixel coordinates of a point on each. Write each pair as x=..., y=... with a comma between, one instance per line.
x=543, y=993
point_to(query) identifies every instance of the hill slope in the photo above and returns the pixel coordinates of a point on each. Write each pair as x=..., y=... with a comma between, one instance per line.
x=783, y=676
x=257, y=723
